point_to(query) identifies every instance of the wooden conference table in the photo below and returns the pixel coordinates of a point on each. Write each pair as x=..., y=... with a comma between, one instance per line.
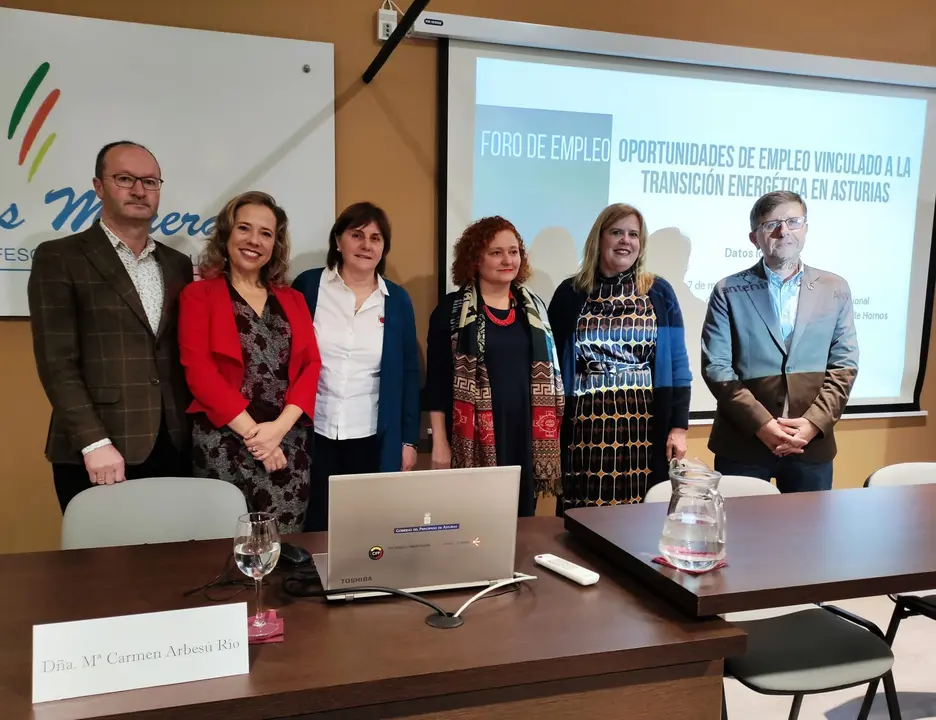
x=783, y=549
x=553, y=649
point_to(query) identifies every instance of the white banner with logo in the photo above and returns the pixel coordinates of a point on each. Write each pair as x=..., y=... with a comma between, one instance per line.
x=222, y=113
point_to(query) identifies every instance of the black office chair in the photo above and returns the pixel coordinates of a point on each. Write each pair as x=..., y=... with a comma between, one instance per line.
x=905, y=606
x=806, y=649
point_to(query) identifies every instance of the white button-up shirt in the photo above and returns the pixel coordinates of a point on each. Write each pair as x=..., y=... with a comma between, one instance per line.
x=351, y=346
x=146, y=274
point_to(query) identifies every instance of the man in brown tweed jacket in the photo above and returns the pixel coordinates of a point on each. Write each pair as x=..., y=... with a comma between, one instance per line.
x=103, y=307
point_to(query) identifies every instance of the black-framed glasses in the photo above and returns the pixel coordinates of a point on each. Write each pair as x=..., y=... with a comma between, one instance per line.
x=793, y=223
x=125, y=180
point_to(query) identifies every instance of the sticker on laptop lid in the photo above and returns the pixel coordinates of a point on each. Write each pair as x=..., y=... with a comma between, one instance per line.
x=425, y=528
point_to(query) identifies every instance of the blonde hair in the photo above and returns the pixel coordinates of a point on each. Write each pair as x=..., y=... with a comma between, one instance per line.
x=591, y=257
x=214, y=257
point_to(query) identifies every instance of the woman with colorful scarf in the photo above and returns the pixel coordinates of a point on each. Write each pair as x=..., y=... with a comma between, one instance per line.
x=493, y=390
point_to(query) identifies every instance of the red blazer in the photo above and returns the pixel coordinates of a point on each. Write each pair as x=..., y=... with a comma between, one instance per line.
x=211, y=353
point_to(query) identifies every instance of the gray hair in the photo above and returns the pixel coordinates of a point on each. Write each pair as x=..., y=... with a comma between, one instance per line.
x=771, y=200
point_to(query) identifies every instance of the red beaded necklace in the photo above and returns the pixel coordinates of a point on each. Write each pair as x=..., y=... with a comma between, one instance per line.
x=511, y=316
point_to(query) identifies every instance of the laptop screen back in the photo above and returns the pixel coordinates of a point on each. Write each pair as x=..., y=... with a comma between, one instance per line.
x=422, y=529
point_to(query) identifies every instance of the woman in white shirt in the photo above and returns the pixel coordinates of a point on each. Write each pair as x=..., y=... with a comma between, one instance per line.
x=367, y=407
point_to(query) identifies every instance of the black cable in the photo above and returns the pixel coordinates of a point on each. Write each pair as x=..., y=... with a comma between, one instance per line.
x=406, y=22
x=302, y=581
x=512, y=588
x=224, y=581
x=306, y=583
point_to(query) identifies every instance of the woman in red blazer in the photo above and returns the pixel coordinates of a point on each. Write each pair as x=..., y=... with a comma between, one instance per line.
x=251, y=361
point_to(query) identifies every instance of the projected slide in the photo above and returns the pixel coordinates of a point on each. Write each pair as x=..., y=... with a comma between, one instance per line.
x=552, y=144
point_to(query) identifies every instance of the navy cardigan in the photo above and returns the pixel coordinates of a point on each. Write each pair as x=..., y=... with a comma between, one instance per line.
x=672, y=378
x=398, y=410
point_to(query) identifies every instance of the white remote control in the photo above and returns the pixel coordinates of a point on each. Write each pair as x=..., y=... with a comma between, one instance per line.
x=567, y=569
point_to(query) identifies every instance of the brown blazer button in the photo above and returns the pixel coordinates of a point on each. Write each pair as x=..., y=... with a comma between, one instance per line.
x=155, y=381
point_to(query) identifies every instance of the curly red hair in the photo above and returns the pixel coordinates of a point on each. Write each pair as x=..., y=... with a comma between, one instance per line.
x=470, y=247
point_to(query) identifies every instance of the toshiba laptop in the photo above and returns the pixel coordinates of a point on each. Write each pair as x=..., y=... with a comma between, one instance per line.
x=420, y=531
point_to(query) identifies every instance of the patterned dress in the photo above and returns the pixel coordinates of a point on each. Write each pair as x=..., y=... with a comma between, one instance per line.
x=614, y=346
x=221, y=453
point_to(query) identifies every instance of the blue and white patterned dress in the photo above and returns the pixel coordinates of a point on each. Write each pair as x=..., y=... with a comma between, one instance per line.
x=615, y=342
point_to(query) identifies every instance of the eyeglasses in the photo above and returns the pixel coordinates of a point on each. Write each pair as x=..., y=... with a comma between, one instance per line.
x=124, y=180
x=793, y=223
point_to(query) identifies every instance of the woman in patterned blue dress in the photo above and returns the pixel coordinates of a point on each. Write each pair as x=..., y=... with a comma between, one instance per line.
x=625, y=370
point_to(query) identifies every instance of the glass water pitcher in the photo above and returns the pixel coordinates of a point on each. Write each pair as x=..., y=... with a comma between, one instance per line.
x=694, y=532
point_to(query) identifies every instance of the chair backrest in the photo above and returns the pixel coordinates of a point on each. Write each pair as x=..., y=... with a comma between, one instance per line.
x=728, y=486
x=152, y=510
x=910, y=473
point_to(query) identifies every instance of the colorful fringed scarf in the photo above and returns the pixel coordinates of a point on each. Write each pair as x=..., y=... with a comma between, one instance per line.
x=472, y=418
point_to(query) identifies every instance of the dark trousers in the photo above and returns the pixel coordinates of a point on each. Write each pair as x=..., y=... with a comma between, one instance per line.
x=793, y=475
x=164, y=461
x=336, y=457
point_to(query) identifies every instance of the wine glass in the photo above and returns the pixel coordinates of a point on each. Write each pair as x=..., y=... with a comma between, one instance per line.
x=256, y=552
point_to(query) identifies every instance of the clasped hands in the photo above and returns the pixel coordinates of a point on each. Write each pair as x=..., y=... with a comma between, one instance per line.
x=787, y=436
x=263, y=442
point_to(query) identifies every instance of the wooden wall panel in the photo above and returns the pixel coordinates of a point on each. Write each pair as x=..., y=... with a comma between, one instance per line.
x=385, y=135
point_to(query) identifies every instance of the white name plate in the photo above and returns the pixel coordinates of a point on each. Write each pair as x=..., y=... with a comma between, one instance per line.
x=91, y=657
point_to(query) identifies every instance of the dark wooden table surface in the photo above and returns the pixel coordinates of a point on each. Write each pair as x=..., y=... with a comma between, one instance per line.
x=783, y=549
x=368, y=658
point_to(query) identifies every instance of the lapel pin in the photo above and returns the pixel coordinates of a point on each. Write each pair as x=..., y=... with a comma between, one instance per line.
x=811, y=285
x=381, y=319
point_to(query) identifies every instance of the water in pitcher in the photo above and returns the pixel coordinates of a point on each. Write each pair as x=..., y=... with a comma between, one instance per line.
x=693, y=536
x=691, y=541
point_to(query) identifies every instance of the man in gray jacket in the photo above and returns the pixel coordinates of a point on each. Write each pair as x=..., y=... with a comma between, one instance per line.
x=780, y=355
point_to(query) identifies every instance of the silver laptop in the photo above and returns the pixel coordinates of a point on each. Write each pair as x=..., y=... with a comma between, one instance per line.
x=421, y=530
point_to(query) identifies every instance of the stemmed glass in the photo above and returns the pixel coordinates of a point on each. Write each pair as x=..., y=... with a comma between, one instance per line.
x=256, y=552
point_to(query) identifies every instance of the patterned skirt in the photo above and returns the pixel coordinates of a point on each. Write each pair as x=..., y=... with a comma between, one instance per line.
x=222, y=454
x=609, y=461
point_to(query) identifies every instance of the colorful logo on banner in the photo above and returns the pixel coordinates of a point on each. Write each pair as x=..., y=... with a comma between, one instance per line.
x=30, y=90
x=75, y=210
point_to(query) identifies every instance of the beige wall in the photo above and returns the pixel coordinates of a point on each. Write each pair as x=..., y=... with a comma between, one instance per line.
x=385, y=135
